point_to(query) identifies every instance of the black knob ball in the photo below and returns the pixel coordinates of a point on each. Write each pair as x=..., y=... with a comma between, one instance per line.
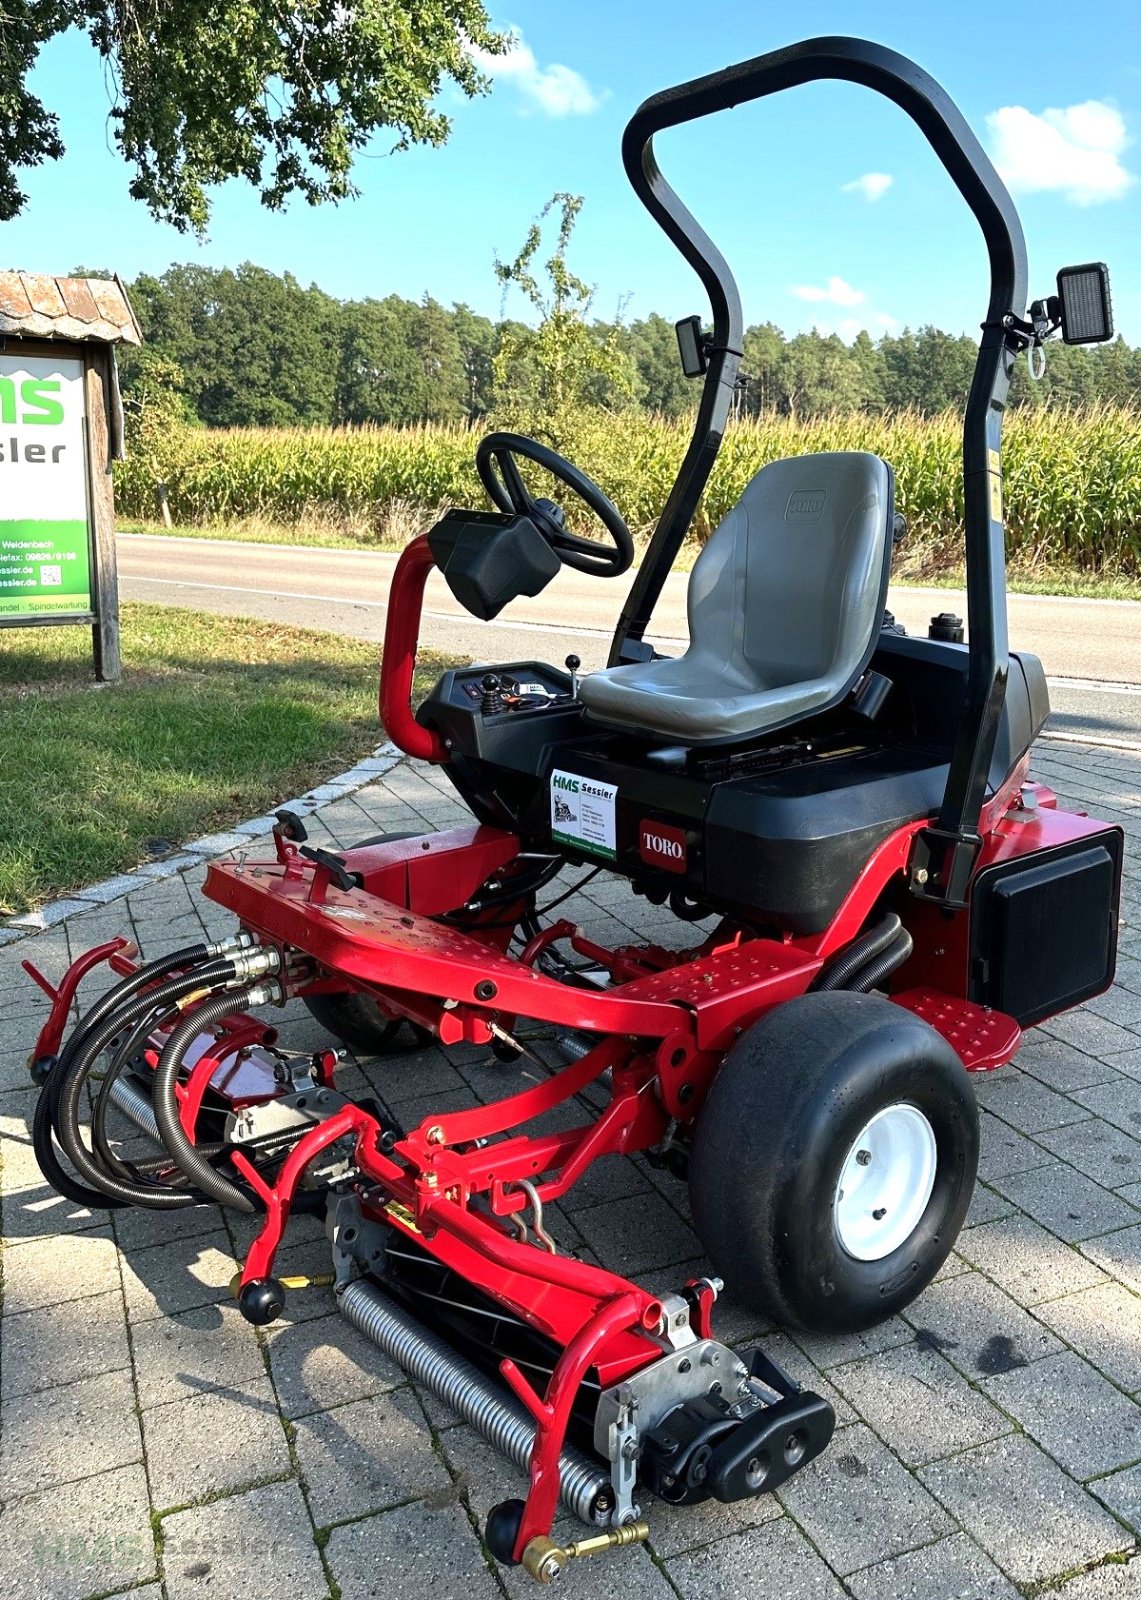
x=262, y=1300
x=41, y=1068
x=572, y=663
x=491, y=699
x=503, y=1524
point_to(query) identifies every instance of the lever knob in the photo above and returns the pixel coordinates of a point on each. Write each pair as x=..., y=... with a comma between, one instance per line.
x=490, y=702
x=572, y=664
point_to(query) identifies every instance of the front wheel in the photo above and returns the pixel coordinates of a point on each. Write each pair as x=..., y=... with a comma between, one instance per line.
x=834, y=1161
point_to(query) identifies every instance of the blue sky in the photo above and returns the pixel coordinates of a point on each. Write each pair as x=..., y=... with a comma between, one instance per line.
x=792, y=189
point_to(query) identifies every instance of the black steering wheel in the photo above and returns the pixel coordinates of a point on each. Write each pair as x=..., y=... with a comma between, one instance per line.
x=495, y=463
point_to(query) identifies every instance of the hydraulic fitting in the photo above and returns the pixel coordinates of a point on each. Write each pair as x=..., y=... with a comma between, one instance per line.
x=234, y=942
x=255, y=963
x=265, y=994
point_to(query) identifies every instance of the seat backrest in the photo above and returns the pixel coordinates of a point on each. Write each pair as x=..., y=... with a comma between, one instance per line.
x=791, y=585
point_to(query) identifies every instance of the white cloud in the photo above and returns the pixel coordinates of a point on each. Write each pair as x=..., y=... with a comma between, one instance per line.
x=1075, y=151
x=872, y=185
x=556, y=91
x=837, y=293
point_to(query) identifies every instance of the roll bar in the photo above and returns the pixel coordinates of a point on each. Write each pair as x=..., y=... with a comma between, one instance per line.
x=943, y=859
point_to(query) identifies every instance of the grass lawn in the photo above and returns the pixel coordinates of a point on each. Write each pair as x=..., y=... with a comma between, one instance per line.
x=1040, y=579
x=216, y=719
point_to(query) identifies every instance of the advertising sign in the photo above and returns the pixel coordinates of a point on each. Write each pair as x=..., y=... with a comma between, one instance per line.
x=45, y=564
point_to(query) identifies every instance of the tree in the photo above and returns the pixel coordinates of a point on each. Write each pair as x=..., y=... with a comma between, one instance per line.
x=376, y=367
x=652, y=345
x=816, y=373
x=153, y=406
x=928, y=371
x=476, y=337
x=256, y=350
x=570, y=363
x=441, y=382
x=763, y=347
x=282, y=94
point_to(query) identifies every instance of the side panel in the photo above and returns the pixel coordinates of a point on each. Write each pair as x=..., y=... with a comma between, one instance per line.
x=1044, y=928
x=1047, y=882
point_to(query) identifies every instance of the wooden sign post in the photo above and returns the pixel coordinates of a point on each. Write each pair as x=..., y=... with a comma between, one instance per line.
x=60, y=431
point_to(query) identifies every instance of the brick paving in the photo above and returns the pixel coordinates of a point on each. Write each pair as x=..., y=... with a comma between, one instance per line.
x=989, y=1442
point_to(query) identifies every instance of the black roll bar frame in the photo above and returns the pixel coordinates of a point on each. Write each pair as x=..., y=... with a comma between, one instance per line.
x=945, y=852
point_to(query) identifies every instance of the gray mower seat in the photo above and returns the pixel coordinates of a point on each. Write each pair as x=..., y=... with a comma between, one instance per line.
x=785, y=604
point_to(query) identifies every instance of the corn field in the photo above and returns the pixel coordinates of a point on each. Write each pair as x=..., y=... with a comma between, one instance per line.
x=1072, y=478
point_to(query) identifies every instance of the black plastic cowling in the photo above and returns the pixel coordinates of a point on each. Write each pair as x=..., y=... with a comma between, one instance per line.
x=489, y=559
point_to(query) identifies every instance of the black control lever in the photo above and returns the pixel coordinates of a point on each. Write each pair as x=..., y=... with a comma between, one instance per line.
x=334, y=865
x=572, y=664
x=290, y=826
x=492, y=698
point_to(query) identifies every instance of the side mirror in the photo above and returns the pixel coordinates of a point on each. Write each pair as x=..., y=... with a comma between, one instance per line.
x=691, y=346
x=1084, y=307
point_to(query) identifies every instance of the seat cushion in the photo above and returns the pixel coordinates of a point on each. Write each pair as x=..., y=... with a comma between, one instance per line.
x=784, y=604
x=698, y=700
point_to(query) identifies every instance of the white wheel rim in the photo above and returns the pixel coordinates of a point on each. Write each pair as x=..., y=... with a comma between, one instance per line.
x=885, y=1183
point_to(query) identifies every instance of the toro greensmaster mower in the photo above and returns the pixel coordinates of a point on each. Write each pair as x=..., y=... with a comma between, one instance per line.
x=893, y=900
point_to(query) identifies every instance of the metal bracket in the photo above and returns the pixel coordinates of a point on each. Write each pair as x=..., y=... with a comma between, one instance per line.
x=624, y=1450
x=941, y=865
x=291, y=1113
x=692, y=1371
x=358, y=1244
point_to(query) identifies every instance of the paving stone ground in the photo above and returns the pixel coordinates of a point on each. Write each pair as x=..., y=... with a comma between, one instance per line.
x=989, y=1442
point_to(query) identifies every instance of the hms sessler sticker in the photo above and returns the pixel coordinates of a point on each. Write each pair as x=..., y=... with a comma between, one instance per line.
x=582, y=813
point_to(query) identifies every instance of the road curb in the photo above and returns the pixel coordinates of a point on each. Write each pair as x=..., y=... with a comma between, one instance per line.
x=211, y=845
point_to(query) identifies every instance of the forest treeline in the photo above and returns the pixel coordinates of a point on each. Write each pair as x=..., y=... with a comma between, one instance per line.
x=249, y=348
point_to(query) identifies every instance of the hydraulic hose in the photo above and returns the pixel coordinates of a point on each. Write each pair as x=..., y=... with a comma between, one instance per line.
x=157, y=1197
x=100, y=1143
x=45, y=1123
x=183, y=1153
x=190, y=956
x=883, y=965
x=839, y=971
x=46, y=1114
x=43, y=1143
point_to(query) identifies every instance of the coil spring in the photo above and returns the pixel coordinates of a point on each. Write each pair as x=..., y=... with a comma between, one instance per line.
x=583, y=1485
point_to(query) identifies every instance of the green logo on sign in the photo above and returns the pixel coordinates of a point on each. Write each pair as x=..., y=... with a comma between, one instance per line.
x=36, y=398
x=570, y=784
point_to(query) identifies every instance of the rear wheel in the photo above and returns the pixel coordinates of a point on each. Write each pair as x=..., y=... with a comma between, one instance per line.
x=834, y=1161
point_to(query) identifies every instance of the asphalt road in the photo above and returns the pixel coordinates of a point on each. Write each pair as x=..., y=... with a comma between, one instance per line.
x=1091, y=649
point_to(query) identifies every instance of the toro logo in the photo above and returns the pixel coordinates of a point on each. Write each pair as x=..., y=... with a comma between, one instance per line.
x=659, y=845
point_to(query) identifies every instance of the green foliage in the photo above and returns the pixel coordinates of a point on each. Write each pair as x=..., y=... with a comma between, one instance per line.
x=282, y=95
x=154, y=408
x=255, y=348
x=543, y=375
x=1072, y=477
x=217, y=718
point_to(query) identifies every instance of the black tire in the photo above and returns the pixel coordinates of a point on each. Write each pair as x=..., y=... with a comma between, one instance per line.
x=356, y=1019
x=775, y=1133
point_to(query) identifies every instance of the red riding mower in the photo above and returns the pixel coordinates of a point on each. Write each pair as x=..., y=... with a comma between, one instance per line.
x=895, y=901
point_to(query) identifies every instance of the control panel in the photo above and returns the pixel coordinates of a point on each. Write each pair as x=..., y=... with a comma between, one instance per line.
x=527, y=686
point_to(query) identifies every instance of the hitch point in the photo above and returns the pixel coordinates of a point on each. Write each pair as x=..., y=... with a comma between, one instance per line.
x=546, y=1560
